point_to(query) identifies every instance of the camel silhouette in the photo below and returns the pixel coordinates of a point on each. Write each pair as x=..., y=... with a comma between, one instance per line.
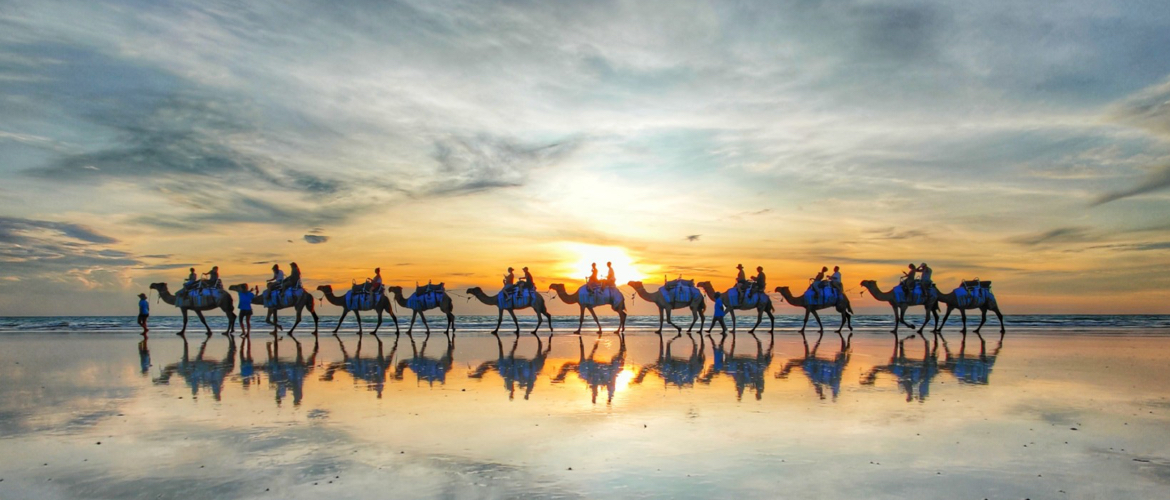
x=914, y=375
x=899, y=307
x=593, y=372
x=504, y=304
x=988, y=304
x=200, y=373
x=761, y=303
x=516, y=371
x=821, y=372
x=285, y=376
x=842, y=306
x=304, y=301
x=225, y=304
x=697, y=306
x=444, y=305
x=679, y=372
x=382, y=306
x=614, y=300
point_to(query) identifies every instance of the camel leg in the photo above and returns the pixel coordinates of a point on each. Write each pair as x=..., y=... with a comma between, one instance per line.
x=772, y=321
x=394, y=318
x=227, y=309
x=950, y=308
x=183, y=332
x=759, y=318
x=423, y=317
x=514, y=321
x=344, y=313
x=897, y=320
x=670, y=319
x=548, y=316
x=902, y=318
x=820, y=326
x=379, y=325
x=804, y=325
x=925, y=320
x=621, y=322
x=659, y=321
x=963, y=313
x=731, y=312
x=204, y=321
x=300, y=311
x=694, y=319
x=413, y=315
x=499, y=321
x=316, y=320
x=581, y=320
x=982, y=320
x=275, y=321
x=358, y=317
x=999, y=315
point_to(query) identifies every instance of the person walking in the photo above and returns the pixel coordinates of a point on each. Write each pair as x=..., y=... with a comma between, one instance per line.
x=246, y=297
x=143, y=312
x=720, y=311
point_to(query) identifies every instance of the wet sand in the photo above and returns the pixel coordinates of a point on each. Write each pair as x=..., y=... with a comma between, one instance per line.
x=1042, y=415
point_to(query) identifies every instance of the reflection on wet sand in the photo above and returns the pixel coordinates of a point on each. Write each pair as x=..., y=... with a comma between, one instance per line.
x=914, y=375
x=513, y=370
x=427, y=369
x=284, y=375
x=679, y=372
x=821, y=372
x=971, y=369
x=199, y=373
x=746, y=370
x=370, y=370
x=595, y=373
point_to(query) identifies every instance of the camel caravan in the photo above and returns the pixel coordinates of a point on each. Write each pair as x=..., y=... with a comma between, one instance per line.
x=825, y=291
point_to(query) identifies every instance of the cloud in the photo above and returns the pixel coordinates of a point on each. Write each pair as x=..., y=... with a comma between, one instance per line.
x=61, y=252
x=15, y=230
x=693, y=237
x=314, y=239
x=471, y=164
x=1058, y=235
x=1157, y=180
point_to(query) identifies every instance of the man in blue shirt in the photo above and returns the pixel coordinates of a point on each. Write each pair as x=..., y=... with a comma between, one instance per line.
x=143, y=312
x=720, y=311
x=246, y=297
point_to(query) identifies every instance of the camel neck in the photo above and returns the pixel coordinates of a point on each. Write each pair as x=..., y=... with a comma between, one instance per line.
x=565, y=297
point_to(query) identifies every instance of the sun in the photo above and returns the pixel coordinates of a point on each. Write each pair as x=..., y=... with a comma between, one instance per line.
x=581, y=255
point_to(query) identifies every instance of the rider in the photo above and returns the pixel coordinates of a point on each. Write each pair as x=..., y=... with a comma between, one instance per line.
x=610, y=277
x=926, y=281
x=274, y=283
x=593, y=284
x=908, y=283
x=192, y=280
x=529, y=282
x=375, y=283
x=509, y=281
x=818, y=282
x=294, y=277
x=835, y=280
x=741, y=281
x=213, y=277
x=759, y=279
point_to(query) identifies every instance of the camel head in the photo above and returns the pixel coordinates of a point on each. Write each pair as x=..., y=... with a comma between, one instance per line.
x=325, y=288
x=635, y=284
x=556, y=286
x=237, y=288
x=868, y=283
x=162, y=287
x=474, y=290
x=781, y=289
x=394, y=289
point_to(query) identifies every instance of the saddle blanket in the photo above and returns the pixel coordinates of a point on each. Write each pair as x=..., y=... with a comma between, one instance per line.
x=974, y=296
x=751, y=298
x=916, y=297
x=821, y=294
x=361, y=300
x=282, y=298
x=518, y=298
x=600, y=296
x=198, y=298
x=680, y=290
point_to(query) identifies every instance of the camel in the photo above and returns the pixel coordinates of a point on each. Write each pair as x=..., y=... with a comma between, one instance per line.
x=616, y=301
x=371, y=370
x=952, y=301
x=821, y=372
x=697, y=306
x=444, y=305
x=498, y=301
x=931, y=306
x=513, y=370
x=225, y=304
x=842, y=307
x=913, y=375
x=762, y=304
x=593, y=372
x=304, y=301
x=974, y=369
x=383, y=306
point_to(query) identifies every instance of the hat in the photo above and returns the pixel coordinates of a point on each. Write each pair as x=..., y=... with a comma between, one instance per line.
x=509, y=269
x=525, y=268
x=143, y=295
x=739, y=266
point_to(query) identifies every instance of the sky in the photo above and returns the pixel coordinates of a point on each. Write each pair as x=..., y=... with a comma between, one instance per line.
x=1027, y=143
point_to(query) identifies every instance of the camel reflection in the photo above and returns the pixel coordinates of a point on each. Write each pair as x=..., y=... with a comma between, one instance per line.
x=972, y=369
x=371, y=370
x=747, y=371
x=821, y=372
x=427, y=369
x=516, y=371
x=593, y=372
x=914, y=375
x=201, y=373
x=285, y=376
x=680, y=372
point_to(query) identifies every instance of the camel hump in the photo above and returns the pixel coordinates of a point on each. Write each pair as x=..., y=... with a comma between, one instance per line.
x=602, y=295
x=199, y=297
x=680, y=290
x=822, y=293
x=431, y=288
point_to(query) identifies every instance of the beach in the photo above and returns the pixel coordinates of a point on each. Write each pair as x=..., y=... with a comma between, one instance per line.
x=1049, y=412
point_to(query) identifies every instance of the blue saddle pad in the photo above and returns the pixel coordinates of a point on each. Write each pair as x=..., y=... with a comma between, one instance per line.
x=424, y=300
x=828, y=295
x=751, y=297
x=518, y=298
x=600, y=296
